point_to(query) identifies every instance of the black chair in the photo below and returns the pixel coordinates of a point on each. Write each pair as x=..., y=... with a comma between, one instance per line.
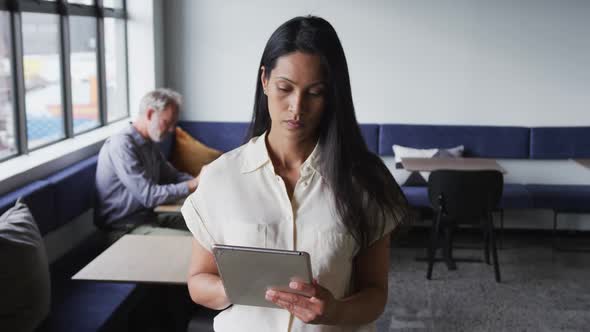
x=463, y=197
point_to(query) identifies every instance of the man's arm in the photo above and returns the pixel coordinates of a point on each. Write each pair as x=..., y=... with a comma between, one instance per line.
x=132, y=174
x=170, y=174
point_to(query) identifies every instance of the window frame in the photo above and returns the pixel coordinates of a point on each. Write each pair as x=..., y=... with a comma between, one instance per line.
x=64, y=10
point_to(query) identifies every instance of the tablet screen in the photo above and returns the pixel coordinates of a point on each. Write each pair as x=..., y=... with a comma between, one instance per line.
x=247, y=272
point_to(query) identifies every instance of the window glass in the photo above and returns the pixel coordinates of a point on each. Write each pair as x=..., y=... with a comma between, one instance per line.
x=84, y=73
x=43, y=83
x=82, y=2
x=113, y=3
x=116, y=68
x=7, y=110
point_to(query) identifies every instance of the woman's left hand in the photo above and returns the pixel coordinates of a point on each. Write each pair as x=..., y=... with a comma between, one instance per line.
x=317, y=307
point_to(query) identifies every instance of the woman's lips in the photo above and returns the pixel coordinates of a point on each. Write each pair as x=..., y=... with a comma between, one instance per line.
x=294, y=124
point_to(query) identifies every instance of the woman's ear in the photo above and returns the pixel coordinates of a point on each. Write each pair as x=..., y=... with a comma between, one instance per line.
x=263, y=79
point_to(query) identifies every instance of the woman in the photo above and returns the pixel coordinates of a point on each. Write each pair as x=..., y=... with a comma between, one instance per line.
x=304, y=181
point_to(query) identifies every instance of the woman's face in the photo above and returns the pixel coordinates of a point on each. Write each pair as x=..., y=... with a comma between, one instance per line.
x=296, y=95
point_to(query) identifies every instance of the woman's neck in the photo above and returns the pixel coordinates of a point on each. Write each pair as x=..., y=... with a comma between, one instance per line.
x=286, y=153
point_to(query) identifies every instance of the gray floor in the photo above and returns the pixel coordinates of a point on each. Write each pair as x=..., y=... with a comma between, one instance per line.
x=541, y=290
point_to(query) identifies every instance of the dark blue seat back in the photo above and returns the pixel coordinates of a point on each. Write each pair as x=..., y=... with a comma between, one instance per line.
x=371, y=135
x=74, y=190
x=560, y=142
x=479, y=141
x=40, y=198
x=223, y=136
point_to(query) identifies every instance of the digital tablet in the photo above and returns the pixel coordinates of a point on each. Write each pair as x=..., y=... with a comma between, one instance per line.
x=248, y=272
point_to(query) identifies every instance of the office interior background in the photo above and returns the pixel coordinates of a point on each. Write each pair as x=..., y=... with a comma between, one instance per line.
x=452, y=62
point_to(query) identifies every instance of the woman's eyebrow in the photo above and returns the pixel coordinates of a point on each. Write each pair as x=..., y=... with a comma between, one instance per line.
x=293, y=82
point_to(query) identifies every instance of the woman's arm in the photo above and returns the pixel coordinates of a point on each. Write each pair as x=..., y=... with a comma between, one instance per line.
x=204, y=284
x=370, y=268
x=364, y=306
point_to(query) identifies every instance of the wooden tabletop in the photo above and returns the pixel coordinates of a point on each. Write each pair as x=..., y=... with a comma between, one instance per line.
x=160, y=259
x=461, y=164
x=173, y=207
x=583, y=162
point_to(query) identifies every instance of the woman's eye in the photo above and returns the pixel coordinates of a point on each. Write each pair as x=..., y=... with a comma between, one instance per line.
x=282, y=88
x=316, y=92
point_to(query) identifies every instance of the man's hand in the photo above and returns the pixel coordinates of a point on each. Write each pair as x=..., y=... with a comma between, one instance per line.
x=192, y=184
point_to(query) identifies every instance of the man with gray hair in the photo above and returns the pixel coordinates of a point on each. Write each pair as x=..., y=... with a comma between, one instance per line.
x=132, y=175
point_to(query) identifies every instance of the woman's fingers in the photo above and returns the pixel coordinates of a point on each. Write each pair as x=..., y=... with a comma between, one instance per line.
x=309, y=290
x=309, y=309
x=304, y=314
x=284, y=297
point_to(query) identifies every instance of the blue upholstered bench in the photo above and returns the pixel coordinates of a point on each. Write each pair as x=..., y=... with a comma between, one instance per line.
x=479, y=141
x=560, y=143
x=75, y=305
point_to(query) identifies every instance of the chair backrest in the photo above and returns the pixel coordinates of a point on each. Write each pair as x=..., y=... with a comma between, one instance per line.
x=465, y=194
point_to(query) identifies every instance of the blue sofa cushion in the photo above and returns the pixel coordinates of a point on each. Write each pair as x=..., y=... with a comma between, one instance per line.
x=74, y=190
x=565, y=198
x=370, y=133
x=40, y=198
x=560, y=142
x=83, y=305
x=479, y=141
x=86, y=306
x=515, y=196
x=223, y=136
x=417, y=196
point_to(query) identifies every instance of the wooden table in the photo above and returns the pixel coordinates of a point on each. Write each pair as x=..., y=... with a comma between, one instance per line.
x=461, y=164
x=160, y=259
x=173, y=207
x=583, y=162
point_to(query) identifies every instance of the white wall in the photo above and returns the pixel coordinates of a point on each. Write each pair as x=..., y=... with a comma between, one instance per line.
x=158, y=13
x=488, y=62
x=500, y=62
x=141, y=37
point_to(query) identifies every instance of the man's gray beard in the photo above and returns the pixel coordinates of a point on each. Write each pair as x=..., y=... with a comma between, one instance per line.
x=154, y=134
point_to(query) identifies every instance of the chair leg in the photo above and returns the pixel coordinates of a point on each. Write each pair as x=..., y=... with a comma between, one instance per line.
x=486, y=245
x=554, y=239
x=432, y=246
x=494, y=249
x=501, y=237
x=448, y=248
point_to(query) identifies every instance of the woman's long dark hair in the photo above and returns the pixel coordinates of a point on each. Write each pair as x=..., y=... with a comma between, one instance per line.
x=365, y=193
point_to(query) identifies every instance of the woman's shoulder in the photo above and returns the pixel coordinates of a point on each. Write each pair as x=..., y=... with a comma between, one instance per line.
x=229, y=165
x=229, y=162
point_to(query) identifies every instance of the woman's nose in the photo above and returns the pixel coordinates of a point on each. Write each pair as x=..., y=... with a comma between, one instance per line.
x=296, y=103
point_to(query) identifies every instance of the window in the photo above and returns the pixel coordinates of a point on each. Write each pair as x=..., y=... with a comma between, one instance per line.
x=116, y=68
x=43, y=83
x=84, y=73
x=113, y=3
x=63, y=70
x=82, y=2
x=7, y=119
